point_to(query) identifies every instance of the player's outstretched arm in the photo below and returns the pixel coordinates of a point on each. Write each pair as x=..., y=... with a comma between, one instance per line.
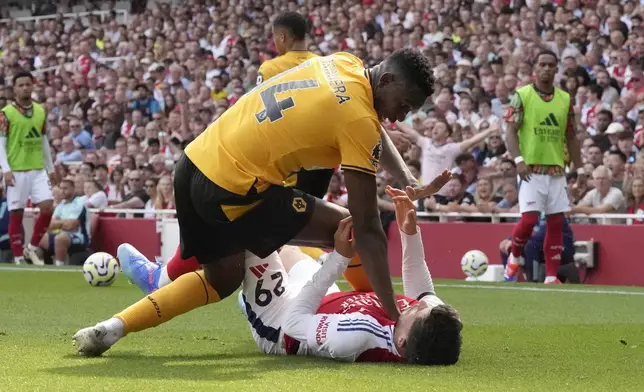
x=417, y=281
x=371, y=241
x=300, y=316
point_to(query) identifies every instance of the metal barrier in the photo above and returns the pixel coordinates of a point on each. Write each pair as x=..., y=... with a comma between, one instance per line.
x=442, y=216
x=72, y=15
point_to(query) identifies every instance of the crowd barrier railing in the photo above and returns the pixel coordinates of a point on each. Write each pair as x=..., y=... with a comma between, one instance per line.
x=442, y=216
x=124, y=14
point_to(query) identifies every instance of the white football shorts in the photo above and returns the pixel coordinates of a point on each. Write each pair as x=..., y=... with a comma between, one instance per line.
x=265, y=296
x=32, y=184
x=545, y=194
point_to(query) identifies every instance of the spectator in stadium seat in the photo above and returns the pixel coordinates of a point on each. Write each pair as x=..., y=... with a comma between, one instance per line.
x=455, y=197
x=151, y=190
x=159, y=166
x=136, y=197
x=68, y=226
x=604, y=198
x=82, y=138
x=635, y=198
x=616, y=162
x=69, y=152
x=143, y=101
x=510, y=201
x=116, y=188
x=626, y=146
x=484, y=199
x=93, y=195
x=594, y=155
x=121, y=149
x=164, y=199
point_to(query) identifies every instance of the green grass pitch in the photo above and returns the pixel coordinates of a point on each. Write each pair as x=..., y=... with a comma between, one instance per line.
x=514, y=340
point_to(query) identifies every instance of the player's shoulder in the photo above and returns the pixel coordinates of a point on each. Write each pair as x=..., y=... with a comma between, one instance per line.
x=563, y=93
x=347, y=58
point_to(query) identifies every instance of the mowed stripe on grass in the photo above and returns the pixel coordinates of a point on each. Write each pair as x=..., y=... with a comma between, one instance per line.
x=521, y=339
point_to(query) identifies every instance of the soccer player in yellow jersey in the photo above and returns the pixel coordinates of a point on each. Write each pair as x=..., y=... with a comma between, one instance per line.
x=229, y=191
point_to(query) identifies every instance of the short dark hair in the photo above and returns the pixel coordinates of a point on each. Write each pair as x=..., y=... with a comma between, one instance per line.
x=101, y=166
x=620, y=154
x=21, y=74
x=546, y=52
x=463, y=157
x=296, y=24
x=510, y=161
x=594, y=145
x=153, y=142
x=605, y=111
x=415, y=67
x=596, y=90
x=436, y=339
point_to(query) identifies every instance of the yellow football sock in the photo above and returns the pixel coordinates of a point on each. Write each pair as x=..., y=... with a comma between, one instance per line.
x=356, y=275
x=313, y=253
x=188, y=292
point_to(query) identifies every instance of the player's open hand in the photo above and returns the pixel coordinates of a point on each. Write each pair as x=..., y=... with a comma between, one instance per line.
x=343, y=238
x=405, y=210
x=524, y=171
x=9, y=180
x=420, y=192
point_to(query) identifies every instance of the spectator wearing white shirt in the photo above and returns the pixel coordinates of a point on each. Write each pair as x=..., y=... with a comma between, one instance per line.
x=94, y=196
x=150, y=188
x=604, y=199
x=437, y=154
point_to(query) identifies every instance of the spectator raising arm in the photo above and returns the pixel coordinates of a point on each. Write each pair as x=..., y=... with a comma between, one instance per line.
x=393, y=163
x=468, y=144
x=410, y=132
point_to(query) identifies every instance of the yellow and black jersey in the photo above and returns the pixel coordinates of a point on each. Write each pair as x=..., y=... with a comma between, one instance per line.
x=276, y=66
x=318, y=114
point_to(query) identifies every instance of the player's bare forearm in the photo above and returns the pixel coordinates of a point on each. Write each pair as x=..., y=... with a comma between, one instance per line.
x=574, y=149
x=512, y=139
x=371, y=243
x=392, y=161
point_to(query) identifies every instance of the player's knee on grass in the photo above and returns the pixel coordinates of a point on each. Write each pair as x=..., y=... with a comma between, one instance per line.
x=226, y=275
x=435, y=339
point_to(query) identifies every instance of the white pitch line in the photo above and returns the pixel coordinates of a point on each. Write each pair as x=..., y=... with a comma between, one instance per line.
x=510, y=286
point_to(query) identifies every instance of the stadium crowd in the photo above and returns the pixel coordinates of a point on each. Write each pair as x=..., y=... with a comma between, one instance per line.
x=124, y=98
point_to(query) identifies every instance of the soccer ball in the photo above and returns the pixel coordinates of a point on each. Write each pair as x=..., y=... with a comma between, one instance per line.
x=474, y=263
x=100, y=269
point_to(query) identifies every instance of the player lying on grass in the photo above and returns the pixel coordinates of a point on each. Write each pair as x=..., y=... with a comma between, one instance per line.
x=281, y=293
x=353, y=326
